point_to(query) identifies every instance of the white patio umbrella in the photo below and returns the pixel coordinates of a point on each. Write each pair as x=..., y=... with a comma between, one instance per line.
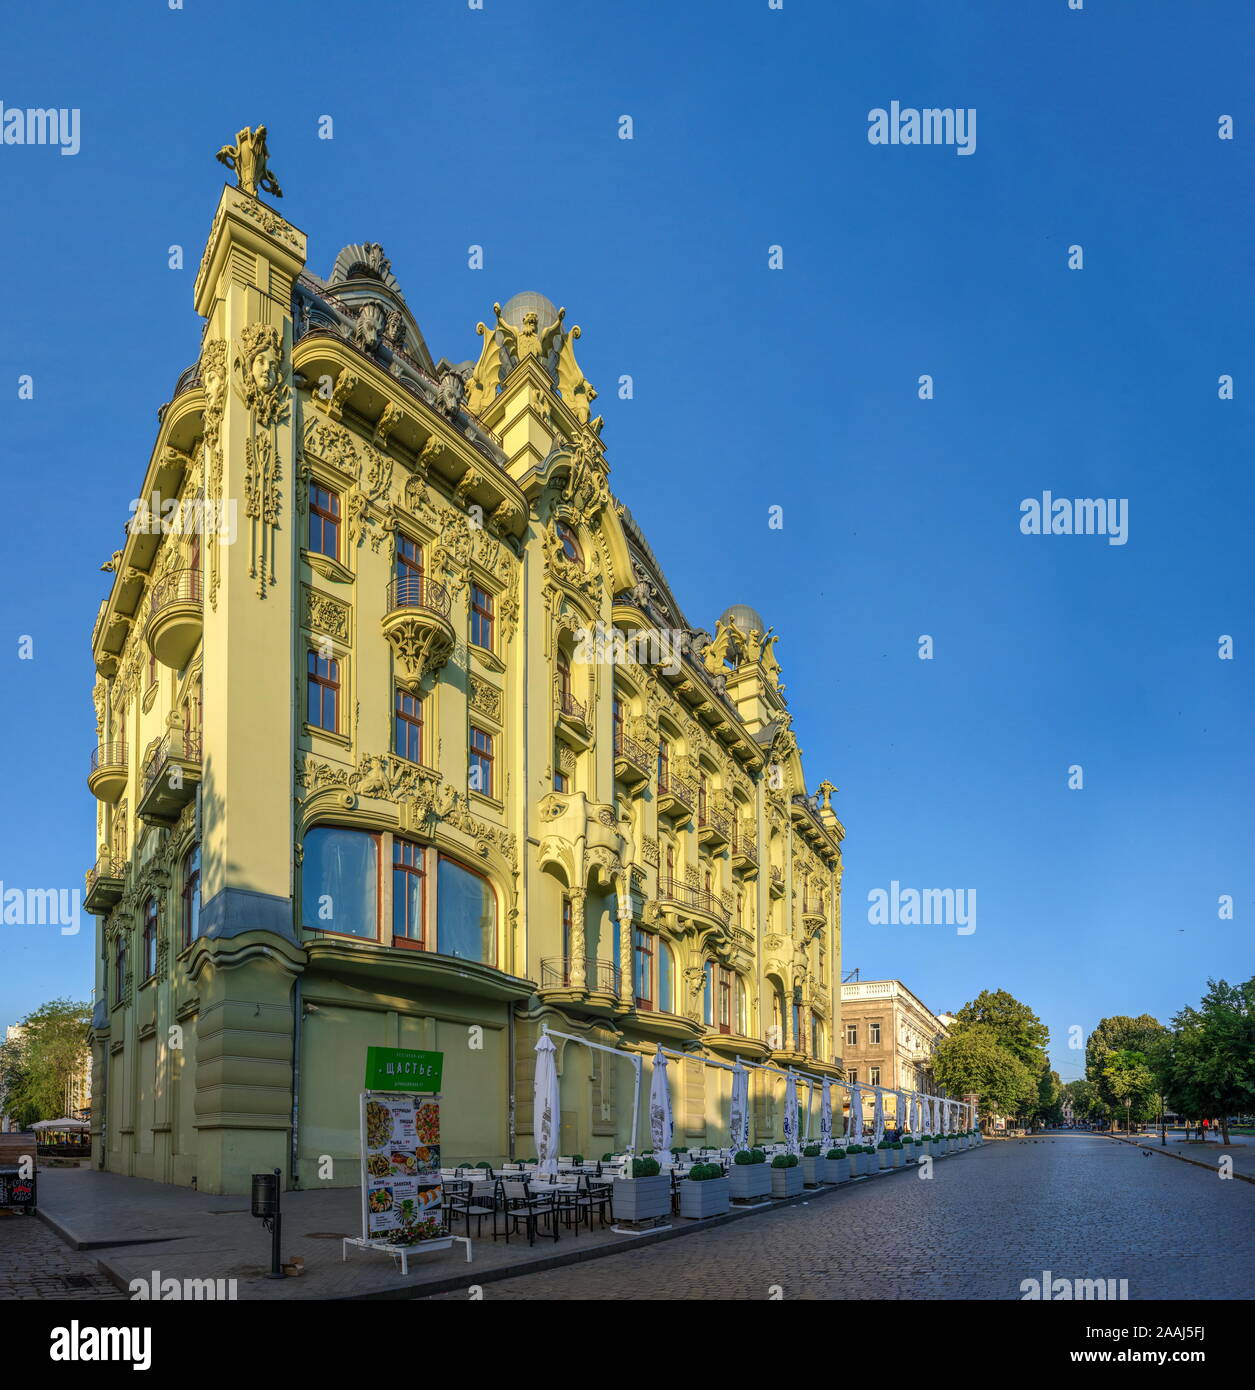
x=790, y=1113
x=878, y=1117
x=660, y=1108
x=918, y=1124
x=825, y=1116
x=899, y=1112
x=546, y=1106
x=739, y=1110
x=854, y=1123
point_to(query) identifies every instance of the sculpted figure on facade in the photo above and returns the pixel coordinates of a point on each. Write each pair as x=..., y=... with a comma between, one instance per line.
x=250, y=159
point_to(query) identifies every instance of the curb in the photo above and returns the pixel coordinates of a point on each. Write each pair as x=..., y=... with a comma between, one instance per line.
x=453, y=1282
x=1181, y=1158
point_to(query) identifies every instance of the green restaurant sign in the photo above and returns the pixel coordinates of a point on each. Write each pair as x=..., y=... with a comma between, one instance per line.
x=403, y=1069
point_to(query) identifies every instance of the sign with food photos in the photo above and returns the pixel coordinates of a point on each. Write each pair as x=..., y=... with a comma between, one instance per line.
x=400, y=1165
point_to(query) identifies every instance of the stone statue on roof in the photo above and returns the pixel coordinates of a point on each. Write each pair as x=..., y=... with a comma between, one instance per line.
x=250, y=159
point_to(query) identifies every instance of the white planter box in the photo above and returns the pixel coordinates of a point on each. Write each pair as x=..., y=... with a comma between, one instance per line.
x=896, y=1158
x=834, y=1170
x=641, y=1199
x=746, y=1181
x=701, y=1199
x=812, y=1171
x=786, y=1182
x=882, y=1158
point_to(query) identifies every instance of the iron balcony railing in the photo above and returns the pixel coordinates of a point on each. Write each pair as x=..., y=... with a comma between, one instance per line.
x=719, y=821
x=180, y=586
x=813, y=907
x=107, y=866
x=670, y=784
x=625, y=746
x=417, y=591
x=571, y=707
x=699, y=899
x=745, y=844
x=600, y=976
x=108, y=755
x=176, y=744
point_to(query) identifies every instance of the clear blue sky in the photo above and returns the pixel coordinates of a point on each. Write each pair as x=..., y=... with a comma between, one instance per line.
x=753, y=388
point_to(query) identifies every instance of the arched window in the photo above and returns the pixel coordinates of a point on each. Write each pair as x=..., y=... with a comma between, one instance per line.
x=191, y=896
x=149, y=959
x=742, y=1009
x=666, y=979
x=119, y=970
x=466, y=913
x=708, y=995
x=340, y=881
x=777, y=1017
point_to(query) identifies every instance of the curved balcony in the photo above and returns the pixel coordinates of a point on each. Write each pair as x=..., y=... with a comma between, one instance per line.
x=692, y=901
x=632, y=760
x=107, y=778
x=776, y=881
x=572, y=717
x=714, y=827
x=675, y=796
x=814, y=913
x=591, y=984
x=416, y=624
x=176, y=618
x=171, y=774
x=105, y=883
x=744, y=847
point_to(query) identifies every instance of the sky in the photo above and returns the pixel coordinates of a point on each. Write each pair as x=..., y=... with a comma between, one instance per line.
x=754, y=388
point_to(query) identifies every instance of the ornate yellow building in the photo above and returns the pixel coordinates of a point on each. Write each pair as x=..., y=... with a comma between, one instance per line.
x=403, y=739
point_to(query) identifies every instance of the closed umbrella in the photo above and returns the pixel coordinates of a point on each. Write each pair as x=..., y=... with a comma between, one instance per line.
x=878, y=1117
x=920, y=1131
x=660, y=1108
x=790, y=1113
x=854, y=1125
x=546, y=1105
x=825, y=1116
x=739, y=1111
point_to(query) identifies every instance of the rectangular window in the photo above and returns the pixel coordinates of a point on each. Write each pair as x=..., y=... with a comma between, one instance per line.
x=150, y=938
x=407, y=739
x=875, y=1076
x=566, y=941
x=408, y=874
x=466, y=914
x=643, y=969
x=853, y=1075
x=341, y=885
x=851, y=1034
x=725, y=1000
x=481, y=618
x=408, y=573
x=817, y=1036
x=481, y=761
x=873, y=1033
x=323, y=689
x=324, y=520
x=119, y=971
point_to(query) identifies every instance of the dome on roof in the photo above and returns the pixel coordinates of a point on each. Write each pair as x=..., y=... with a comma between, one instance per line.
x=745, y=619
x=513, y=310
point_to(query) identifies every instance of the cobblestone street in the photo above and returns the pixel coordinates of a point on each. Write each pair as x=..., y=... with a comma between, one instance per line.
x=35, y=1263
x=1079, y=1206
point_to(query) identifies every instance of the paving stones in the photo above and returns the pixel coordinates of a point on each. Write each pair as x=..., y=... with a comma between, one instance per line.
x=34, y=1263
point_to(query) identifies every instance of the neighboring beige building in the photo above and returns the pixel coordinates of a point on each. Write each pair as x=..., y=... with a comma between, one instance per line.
x=364, y=776
x=889, y=1035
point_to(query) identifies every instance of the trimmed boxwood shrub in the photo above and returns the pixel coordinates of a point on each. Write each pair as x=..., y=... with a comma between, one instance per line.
x=757, y=1156
x=607, y=1158
x=703, y=1172
x=785, y=1161
x=896, y=1144
x=836, y=1153
x=577, y=1158
x=645, y=1167
x=811, y=1151
x=884, y=1144
x=742, y=1157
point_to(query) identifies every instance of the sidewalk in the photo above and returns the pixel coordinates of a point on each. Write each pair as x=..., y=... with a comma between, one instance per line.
x=1207, y=1154
x=132, y=1227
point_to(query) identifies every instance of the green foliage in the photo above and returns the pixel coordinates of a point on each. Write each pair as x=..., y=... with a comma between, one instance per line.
x=1207, y=1071
x=645, y=1167
x=757, y=1156
x=835, y=1153
x=38, y=1067
x=973, y=1059
x=1014, y=1026
x=703, y=1172
x=742, y=1158
x=1143, y=1035
x=811, y=1151
x=577, y=1158
x=785, y=1161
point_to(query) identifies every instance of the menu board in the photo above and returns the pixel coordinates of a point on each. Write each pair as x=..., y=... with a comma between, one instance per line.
x=400, y=1162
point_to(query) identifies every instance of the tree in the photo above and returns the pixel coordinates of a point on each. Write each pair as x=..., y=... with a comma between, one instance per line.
x=1014, y=1025
x=1119, y=1033
x=1049, y=1107
x=973, y=1059
x=53, y=1049
x=1209, y=1067
x=1130, y=1082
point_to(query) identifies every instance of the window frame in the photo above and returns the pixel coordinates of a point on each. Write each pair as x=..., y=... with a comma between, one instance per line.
x=486, y=756
x=323, y=683
x=189, y=891
x=851, y=1035
x=873, y=1035
x=400, y=843
x=483, y=617
x=327, y=518
x=442, y=857
x=377, y=837
x=412, y=722
x=148, y=952
x=569, y=542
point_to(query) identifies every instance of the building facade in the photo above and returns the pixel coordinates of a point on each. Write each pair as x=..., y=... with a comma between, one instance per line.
x=889, y=1036
x=418, y=749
